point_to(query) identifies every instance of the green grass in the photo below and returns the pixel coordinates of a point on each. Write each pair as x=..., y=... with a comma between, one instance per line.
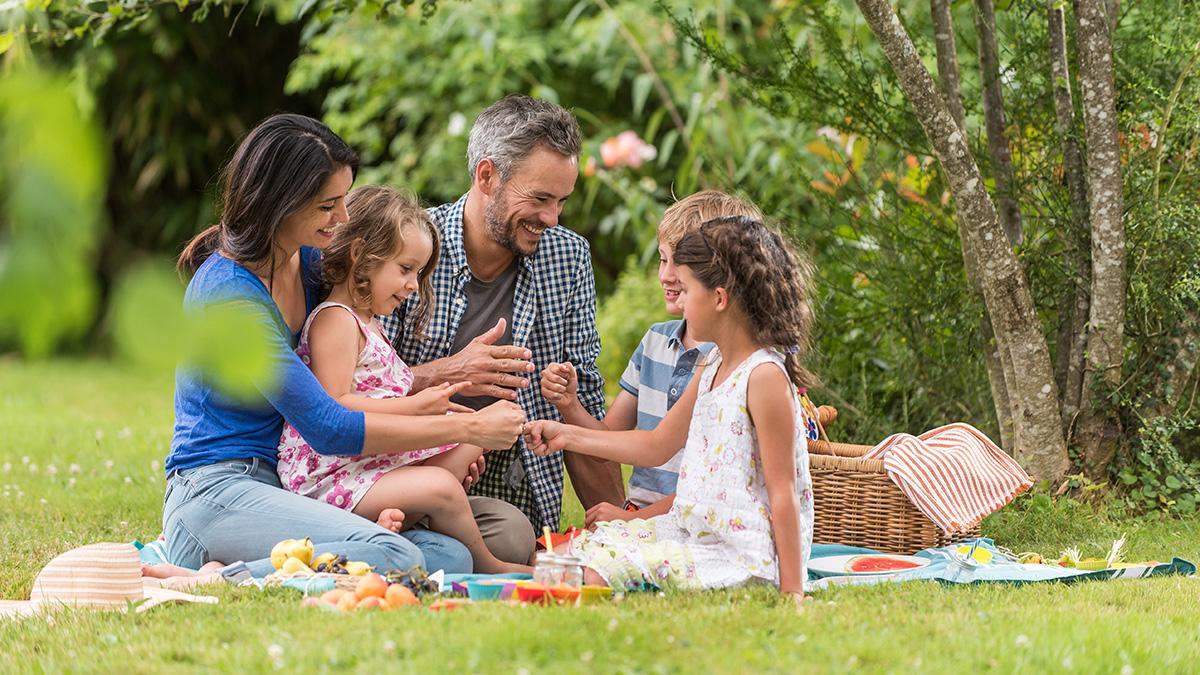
x=105, y=433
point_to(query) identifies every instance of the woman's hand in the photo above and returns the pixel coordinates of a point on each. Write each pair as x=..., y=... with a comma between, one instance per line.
x=497, y=426
x=436, y=400
x=544, y=437
x=560, y=384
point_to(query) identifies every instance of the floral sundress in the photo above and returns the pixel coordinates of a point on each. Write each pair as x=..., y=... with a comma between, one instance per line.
x=343, y=480
x=718, y=533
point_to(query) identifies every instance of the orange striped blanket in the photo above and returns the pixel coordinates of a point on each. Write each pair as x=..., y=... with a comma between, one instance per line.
x=954, y=474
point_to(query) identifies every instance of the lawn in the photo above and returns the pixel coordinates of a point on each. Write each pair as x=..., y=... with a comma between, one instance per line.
x=81, y=451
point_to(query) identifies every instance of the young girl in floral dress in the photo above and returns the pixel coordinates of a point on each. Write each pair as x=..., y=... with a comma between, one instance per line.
x=743, y=509
x=385, y=253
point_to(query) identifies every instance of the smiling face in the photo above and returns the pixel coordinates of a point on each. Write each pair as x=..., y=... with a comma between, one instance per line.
x=668, y=277
x=394, y=279
x=530, y=201
x=314, y=224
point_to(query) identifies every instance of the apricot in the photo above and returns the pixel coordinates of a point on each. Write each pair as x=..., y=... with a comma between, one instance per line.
x=371, y=586
x=332, y=597
x=372, y=602
x=398, y=594
x=348, y=602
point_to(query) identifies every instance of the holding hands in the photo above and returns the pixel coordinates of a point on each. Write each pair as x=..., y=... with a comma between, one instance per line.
x=544, y=437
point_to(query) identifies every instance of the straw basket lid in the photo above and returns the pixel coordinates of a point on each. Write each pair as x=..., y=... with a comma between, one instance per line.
x=106, y=576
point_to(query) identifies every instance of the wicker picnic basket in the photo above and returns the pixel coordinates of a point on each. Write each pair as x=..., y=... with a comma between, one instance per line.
x=857, y=504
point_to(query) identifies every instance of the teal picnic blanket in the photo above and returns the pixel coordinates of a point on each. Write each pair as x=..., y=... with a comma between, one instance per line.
x=944, y=568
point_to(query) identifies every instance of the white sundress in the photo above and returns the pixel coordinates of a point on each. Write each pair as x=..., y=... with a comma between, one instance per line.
x=718, y=533
x=343, y=480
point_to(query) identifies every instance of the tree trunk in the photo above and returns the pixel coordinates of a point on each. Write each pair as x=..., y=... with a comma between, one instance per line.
x=993, y=114
x=1039, y=443
x=1182, y=366
x=947, y=60
x=1073, y=309
x=1099, y=429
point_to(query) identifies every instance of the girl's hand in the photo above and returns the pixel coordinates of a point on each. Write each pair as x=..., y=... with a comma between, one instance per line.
x=560, y=384
x=496, y=426
x=605, y=511
x=544, y=437
x=436, y=400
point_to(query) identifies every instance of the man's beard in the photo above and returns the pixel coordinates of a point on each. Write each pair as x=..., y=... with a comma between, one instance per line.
x=502, y=231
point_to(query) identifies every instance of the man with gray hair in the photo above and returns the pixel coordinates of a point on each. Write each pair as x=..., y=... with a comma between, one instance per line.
x=514, y=293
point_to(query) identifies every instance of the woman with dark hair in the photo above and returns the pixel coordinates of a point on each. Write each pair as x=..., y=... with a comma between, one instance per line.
x=282, y=197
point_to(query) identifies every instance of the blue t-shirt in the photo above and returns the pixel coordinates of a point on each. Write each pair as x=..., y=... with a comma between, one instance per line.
x=211, y=427
x=658, y=373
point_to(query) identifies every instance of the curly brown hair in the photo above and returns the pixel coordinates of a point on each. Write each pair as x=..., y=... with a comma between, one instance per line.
x=380, y=219
x=769, y=279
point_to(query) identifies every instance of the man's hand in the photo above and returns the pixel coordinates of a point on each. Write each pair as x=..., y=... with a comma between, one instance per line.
x=497, y=426
x=603, y=512
x=492, y=371
x=436, y=400
x=560, y=384
x=544, y=437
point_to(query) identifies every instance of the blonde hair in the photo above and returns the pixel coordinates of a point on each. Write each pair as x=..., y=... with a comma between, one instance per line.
x=686, y=215
x=380, y=217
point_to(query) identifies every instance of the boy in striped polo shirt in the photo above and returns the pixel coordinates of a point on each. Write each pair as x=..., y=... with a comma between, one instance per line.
x=659, y=371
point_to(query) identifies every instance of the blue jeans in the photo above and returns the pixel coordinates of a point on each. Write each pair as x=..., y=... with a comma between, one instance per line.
x=237, y=510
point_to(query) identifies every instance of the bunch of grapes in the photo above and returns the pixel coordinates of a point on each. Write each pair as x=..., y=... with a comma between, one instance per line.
x=416, y=580
x=335, y=566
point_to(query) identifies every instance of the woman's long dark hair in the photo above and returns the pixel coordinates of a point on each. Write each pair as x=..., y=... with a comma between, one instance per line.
x=278, y=169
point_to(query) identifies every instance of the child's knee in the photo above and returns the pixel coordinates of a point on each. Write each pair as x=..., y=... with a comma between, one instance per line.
x=445, y=491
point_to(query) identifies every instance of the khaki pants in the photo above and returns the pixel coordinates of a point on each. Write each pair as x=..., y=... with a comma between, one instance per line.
x=506, y=531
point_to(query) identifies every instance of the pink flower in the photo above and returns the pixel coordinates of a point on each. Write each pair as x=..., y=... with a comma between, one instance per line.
x=377, y=463
x=339, y=497
x=626, y=149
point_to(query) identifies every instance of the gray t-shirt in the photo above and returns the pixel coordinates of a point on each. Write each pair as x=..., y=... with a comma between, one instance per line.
x=487, y=303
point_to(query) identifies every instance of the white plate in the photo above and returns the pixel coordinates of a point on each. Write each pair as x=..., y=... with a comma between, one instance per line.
x=840, y=564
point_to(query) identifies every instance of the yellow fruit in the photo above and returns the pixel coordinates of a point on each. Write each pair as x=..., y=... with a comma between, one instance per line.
x=357, y=569
x=279, y=552
x=323, y=559
x=302, y=550
x=371, y=585
x=294, y=566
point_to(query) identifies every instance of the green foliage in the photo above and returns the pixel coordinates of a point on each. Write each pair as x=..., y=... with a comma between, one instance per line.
x=619, y=66
x=228, y=342
x=52, y=176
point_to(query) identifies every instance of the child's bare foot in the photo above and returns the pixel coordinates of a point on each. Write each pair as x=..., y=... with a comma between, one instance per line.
x=391, y=519
x=165, y=570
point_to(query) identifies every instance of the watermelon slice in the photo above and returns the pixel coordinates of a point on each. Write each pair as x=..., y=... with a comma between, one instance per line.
x=869, y=564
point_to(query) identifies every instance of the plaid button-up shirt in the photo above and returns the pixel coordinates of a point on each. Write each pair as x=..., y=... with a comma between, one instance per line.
x=554, y=317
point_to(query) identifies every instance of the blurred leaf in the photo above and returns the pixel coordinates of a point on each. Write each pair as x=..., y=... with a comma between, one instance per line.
x=53, y=173
x=228, y=342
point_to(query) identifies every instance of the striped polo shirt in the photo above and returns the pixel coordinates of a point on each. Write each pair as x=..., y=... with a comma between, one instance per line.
x=658, y=373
